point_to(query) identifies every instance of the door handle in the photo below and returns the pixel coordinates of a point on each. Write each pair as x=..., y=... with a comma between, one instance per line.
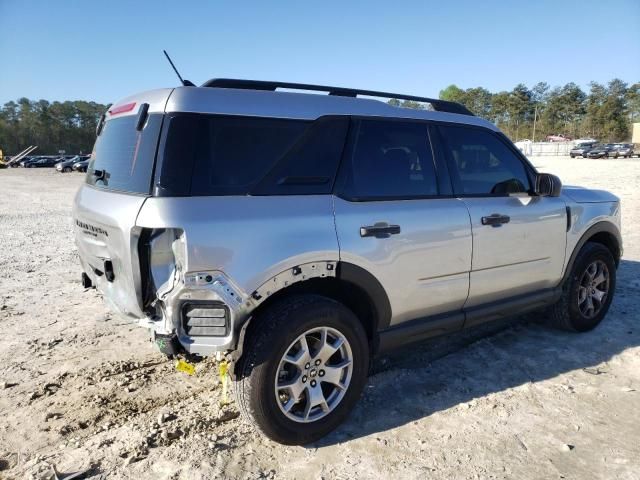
x=495, y=219
x=379, y=230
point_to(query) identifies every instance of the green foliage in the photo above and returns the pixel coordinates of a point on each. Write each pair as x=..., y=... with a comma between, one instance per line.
x=68, y=126
x=606, y=113
x=406, y=104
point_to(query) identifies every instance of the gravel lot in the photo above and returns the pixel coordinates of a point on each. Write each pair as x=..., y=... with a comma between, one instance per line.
x=82, y=391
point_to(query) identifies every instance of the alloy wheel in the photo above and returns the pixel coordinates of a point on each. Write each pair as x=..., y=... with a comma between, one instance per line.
x=314, y=374
x=593, y=289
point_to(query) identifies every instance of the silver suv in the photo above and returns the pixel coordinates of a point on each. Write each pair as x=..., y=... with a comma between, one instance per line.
x=300, y=234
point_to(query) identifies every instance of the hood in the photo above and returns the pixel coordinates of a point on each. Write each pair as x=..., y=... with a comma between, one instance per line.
x=587, y=195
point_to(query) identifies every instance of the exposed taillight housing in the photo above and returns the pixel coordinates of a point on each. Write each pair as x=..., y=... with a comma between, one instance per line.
x=162, y=260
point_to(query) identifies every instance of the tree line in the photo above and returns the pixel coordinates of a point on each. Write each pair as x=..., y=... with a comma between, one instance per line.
x=605, y=112
x=52, y=126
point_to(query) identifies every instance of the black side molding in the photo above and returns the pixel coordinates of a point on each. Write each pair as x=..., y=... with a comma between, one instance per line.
x=511, y=306
x=417, y=330
x=434, y=326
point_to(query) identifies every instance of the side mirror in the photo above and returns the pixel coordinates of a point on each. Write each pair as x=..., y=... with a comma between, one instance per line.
x=548, y=185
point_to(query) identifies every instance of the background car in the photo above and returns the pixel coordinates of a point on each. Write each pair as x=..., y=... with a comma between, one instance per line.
x=27, y=161
x=67, y=165
x=80, y=166
x=623, y=150
x=601, y=151
x=558, y=138
x=46, y=162
x=582, y=149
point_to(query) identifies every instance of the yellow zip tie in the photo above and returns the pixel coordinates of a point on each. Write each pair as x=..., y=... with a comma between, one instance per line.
x=186, y=367
x=223, y=371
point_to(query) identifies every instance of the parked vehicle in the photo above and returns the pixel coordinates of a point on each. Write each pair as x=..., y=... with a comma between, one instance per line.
x=46, y=162
x=623, y=150
x=27, y=160
x=601, y=151
x=558, y=138
x=67, y=165
x=582, y=149
x=300, y=234
x=80, y=166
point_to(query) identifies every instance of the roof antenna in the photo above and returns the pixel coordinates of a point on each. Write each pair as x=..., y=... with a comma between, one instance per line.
x=186, y=83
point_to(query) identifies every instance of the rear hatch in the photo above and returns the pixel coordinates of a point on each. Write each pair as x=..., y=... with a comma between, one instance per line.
x=119, y=179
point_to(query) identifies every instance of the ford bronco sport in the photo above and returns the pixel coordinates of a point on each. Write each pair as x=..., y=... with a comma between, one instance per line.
x=300, y=234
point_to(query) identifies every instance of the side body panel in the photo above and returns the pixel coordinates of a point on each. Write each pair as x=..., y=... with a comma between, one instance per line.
x=425, y=268
x=522, y=256
x=249, y=247
x=250, y=239
x=586, y=215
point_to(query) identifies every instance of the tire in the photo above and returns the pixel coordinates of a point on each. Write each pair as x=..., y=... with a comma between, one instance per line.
x=271, y=336
x=66, y=169
x=568, y=313
x=572, y=156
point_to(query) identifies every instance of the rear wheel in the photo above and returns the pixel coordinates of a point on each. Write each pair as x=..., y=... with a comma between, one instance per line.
x=304, y=368
x=588, y=292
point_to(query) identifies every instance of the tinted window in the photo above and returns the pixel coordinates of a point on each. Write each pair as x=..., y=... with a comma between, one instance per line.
x=482, y=164
x=389, y=159
x=311, y=164
x=223, y=155
x=125, y=156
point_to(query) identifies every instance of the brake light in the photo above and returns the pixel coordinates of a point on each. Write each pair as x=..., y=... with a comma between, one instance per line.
x=127, y=107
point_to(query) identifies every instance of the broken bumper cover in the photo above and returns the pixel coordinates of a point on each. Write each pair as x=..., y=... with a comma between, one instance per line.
x=204, y=312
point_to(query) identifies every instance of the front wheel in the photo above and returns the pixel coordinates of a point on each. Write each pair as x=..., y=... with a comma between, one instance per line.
x=304, y=366
x=587, y=293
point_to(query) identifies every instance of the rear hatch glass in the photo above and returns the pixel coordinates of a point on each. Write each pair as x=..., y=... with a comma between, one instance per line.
x=123, y=157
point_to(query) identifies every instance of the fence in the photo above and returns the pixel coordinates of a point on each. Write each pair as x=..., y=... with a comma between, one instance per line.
x=545, y=148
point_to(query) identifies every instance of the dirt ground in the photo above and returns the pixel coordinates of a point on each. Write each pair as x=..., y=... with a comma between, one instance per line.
x=82, y=391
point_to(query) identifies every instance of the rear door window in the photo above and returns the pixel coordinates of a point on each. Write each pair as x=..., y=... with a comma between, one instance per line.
x=210, y=155
x=482, y=164
x=389, y=160
x=216, y=155
x=123, y=157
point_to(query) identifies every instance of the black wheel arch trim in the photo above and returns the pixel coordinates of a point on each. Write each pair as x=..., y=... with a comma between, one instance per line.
x=599, y=227
x=360, y=277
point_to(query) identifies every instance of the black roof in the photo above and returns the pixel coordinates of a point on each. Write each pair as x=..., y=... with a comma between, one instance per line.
x=437, y=104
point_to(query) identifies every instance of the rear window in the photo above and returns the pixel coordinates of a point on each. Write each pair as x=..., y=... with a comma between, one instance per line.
x=210, y=155
x=123, y=157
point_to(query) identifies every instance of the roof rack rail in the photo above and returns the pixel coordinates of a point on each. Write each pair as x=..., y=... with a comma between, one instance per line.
x=438, y=105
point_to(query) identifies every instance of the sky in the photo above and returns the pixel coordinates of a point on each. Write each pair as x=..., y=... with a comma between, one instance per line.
x=105, y=50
